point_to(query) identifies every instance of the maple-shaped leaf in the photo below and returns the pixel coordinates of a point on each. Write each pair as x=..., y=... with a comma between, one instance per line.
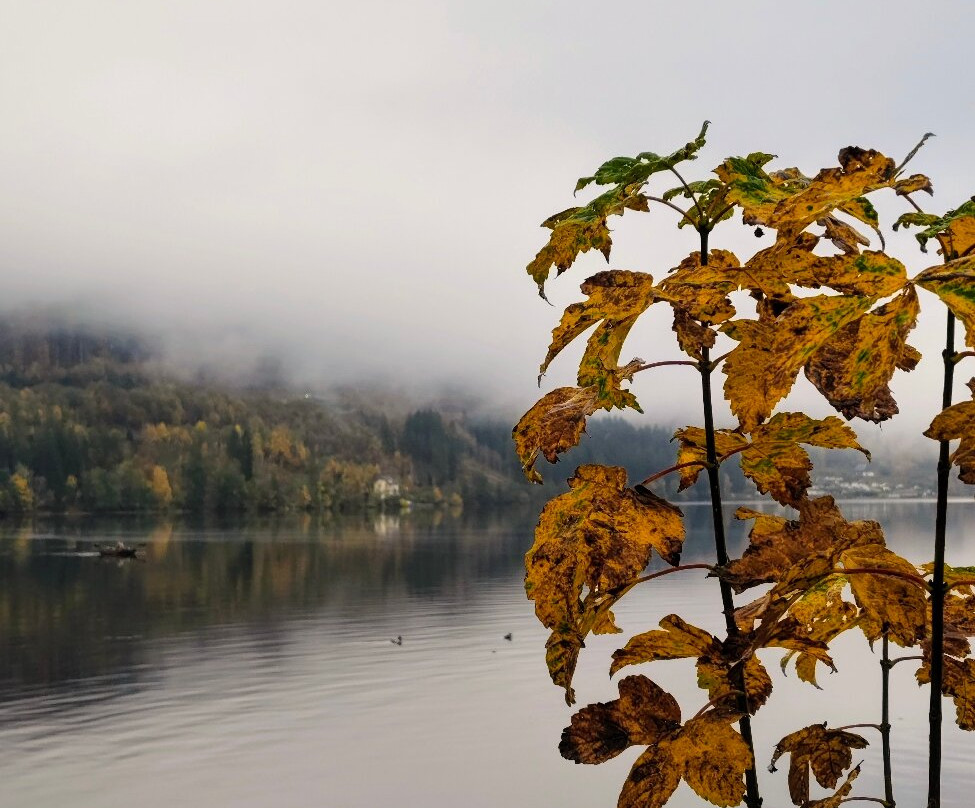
x=554, y=425
x=958, y=682
x=692, y=441
x=823, y=615
x=792, y=261
x=841, y=794
x=721, y=678
x=957, y=422
x=954, y=283
x=754, y=190
x=778, y=465
x=886, y=599
x=955, y=230
x=777, y=545
x=854, y=367
x=713, y=757
x=644, y=714
x=702, y=289
x=859, y=171
x=827, y=753
x=598, y=536
x=676, y=639
x=578, y=230
x=762, y=369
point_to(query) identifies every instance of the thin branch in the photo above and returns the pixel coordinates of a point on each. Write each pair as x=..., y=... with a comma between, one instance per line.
x=649, y=365
x=668, y=571
x=917, y=580
x=956, y=584
x=961, y=355
x=671, y=205
x=689, y=193
x=903, y=659
x=877, y=727
x=715, y=700
x=718, y=360
x=672, y=469
x=912, y=152
x=865, y=799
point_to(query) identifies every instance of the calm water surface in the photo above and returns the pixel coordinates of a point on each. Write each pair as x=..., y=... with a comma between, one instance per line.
x=252, y=666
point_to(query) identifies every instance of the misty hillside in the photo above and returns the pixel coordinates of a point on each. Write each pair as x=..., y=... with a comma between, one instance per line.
x=90, y=420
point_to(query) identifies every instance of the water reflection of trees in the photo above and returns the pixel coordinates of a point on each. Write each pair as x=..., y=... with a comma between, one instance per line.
x=67, y=614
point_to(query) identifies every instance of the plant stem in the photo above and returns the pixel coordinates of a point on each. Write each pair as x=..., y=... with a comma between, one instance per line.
x=938, y=583
x=885, y=666
x=753, y=798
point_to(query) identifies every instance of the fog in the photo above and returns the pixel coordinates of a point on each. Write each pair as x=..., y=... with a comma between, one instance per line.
x=355, y=188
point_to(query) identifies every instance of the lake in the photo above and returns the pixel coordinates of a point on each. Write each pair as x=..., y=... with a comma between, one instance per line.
x=252, y=665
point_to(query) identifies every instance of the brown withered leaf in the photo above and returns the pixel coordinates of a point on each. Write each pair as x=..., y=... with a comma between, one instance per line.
x=553, y=426
x=835, y=800
x=702, y=290
x=616, y=299
x=859, y=172
x=854, y=367
x=778, y=465
x=789, y=633
x=652, y=779
x=845, y=238
x=762, y=369
x=957, y=422
x=676, y=639
x=778, y=545
x=826, y=752
x=644, y=714
x=598, y=536
x=954, y=283
x=692, y=441
x=713, y=757
x=691, y=335
x=959, y=683
x=719, y=678
x=887, y=599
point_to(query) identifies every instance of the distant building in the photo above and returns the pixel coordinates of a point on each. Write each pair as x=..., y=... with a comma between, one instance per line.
x=385, y=488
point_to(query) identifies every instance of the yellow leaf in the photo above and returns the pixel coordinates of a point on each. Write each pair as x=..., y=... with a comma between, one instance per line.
x=887, y=599
x=719, y=678
x=762, y=369
x=691, y=335
x=702, y=290
x=616, y=300
x=652, y=779
x=854, y=367
x=844, y=237
x=827, y=752
x=958, y=682
x=777, y=545
x=713, y=758
x=598, y=536
x=578, y=230
x=756, y=192
x=553, y=426
x=859, y=171
x=957, y=422
x=693, y=449
x=677, y=640
x=776, y=462
x=954, y=283
x=835, y=800
x=644, y=714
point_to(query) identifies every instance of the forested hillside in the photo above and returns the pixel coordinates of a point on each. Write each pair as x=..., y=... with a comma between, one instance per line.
x=90, y=421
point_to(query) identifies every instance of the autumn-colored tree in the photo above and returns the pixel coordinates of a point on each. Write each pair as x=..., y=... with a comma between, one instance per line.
x=826, y=305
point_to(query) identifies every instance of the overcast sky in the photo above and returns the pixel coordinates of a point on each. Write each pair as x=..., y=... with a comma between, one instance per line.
x=360, y=183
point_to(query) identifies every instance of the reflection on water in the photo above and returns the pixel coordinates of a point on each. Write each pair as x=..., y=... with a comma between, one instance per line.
x=251, y=665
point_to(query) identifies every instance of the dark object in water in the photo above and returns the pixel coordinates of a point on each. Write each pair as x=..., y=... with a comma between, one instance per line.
x=508, y=636
x=117, y=550
x=398, y=640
